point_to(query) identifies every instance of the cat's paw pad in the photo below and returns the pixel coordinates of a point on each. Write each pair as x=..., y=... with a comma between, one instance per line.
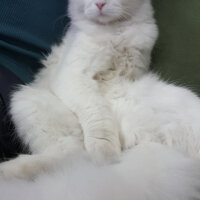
x=103, y=150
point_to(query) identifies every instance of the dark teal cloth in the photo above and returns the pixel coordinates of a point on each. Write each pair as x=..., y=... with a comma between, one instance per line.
x=28, y=28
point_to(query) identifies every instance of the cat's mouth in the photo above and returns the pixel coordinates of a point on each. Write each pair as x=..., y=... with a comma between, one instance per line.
x=104, y=18
x=102, y=14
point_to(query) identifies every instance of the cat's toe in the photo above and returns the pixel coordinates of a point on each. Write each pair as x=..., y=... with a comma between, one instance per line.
x=103, y=150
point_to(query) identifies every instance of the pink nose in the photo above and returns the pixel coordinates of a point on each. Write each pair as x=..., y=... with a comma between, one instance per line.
x=100, y=5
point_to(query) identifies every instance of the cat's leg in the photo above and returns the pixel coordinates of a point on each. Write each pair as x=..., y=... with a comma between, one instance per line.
x=101, y=135
x=41, y=118
x=159, y=112
x=47, y=126
x=30, y=166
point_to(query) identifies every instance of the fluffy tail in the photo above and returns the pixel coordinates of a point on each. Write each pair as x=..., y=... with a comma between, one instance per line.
x=147, y=172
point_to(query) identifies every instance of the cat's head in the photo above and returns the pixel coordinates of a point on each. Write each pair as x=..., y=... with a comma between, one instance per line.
x=103, y=11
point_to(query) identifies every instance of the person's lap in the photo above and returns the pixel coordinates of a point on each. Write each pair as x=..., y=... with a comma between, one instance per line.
x=10, y=144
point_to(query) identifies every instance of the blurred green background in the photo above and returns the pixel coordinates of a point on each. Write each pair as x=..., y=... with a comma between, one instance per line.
x=177, y=53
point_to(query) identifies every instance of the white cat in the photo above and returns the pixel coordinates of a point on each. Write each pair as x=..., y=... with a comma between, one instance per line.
x=139, y=176
x=95, y=92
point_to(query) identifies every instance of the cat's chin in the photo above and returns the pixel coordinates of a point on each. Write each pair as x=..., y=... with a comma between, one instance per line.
x=103, y=19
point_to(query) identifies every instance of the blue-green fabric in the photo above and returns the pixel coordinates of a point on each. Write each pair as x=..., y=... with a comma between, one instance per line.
x=28, y=28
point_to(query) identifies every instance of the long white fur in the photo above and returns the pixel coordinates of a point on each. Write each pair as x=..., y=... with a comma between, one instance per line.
x=96, y=94
x=147, y=172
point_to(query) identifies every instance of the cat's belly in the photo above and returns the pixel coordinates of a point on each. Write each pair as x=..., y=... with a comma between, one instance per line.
x=151, y=110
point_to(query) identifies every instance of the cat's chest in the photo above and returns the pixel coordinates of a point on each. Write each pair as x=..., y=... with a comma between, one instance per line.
x=118, y=58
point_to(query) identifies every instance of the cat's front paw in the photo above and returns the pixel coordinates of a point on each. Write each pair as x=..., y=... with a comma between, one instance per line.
x=102, y=149
x=18, y=168
x=8, y=170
